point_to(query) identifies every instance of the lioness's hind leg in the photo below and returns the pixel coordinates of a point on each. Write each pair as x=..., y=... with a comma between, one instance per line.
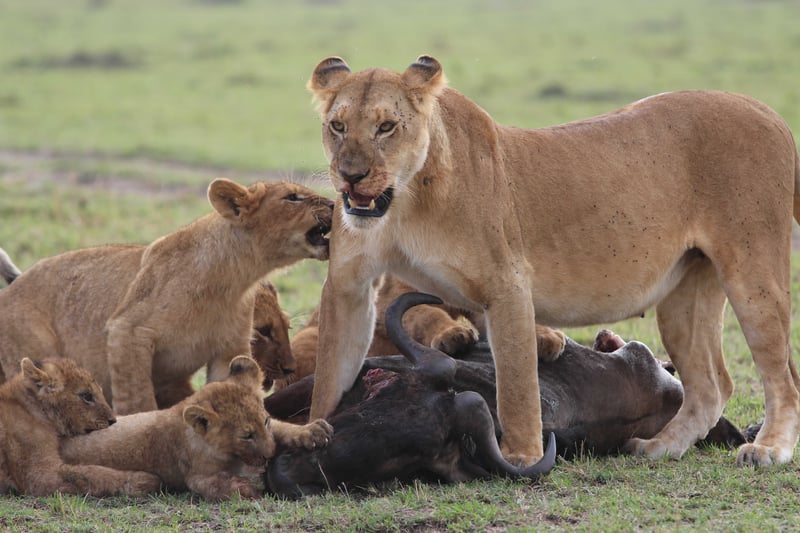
x=762, y=306
x=690, y=323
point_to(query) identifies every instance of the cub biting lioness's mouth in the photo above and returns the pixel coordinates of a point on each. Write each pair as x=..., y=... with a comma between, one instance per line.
x=506, y=221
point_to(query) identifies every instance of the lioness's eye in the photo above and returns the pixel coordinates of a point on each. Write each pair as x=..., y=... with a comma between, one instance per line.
x=337, y=126
x=266, y=331
x=87, y=397
x=386, y=126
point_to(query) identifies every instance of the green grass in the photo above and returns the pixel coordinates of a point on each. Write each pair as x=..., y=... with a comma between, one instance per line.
x=105, y=96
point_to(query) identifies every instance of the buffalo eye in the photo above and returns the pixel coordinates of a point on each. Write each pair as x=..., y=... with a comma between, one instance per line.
x=265, y=331
x=337, y=126
x=386, y=126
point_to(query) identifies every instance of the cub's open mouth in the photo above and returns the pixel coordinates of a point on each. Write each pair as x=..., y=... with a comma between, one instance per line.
x=367, y=207
x=318, y=235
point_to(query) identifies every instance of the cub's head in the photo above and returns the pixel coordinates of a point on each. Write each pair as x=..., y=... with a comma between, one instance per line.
x=375, y=130
x=286, y=221
x=67, y=394
x=270, y=344
x=230, y=416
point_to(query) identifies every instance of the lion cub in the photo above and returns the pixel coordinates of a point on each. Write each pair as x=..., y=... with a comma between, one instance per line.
x=143, y=318
x=46, y=401
x=210, y=443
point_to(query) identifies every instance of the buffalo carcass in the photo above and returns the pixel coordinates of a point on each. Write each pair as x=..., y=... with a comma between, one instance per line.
x=425, y=414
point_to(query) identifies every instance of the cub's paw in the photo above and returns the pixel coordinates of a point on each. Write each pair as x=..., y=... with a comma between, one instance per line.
x=141, y=483
x=550, y=343
x=315, y=434
x=758, y=455
x=243, y=487
x=455, y=338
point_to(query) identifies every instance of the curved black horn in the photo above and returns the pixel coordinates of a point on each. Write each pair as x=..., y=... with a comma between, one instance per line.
x=424, y=358
x=475, y=420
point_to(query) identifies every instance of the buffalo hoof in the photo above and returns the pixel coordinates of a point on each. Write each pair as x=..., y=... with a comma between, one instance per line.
x=758, y=455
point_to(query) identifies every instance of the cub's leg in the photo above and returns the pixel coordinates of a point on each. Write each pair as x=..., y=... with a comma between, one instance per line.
x=315, y=434
x=98, y=480
x=690, y=323
x=130, y=364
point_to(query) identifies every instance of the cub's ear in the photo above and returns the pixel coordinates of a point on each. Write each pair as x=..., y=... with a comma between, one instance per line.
x=230, y=199
x=35, y=373
x=245, y=371
x=326, y=79
x=199, y=418
x=424, y=80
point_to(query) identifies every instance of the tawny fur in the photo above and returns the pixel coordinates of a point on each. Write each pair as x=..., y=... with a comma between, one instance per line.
x=214, y=443
x=43, y=403
x=442, y=327
x=680, y=201
x=143, y=318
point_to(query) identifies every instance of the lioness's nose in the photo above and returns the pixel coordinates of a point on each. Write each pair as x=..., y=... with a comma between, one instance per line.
x=353, y=177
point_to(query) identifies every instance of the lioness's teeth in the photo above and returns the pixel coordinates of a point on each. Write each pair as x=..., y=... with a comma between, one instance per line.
x=372, y=205
x=349, y=202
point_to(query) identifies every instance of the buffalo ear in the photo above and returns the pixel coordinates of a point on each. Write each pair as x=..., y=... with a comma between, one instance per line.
x=199, y=418
x=245, y=371
x=232, y=200
x=424, y=80
x=328, y=76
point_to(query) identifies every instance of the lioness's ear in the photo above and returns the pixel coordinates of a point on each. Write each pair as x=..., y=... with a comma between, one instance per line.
x=245, y=371
x=199, y=419
x=230, y=199
x=424, y=79
x=326, y=79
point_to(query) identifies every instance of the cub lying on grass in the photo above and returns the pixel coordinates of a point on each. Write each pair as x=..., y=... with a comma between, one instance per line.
x=211, y=443
x=48, y=400
x=143, y=318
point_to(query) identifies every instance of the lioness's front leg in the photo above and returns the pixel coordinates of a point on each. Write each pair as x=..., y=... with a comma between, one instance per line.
x=346, y=324
x=315, y=434
x=512, y=337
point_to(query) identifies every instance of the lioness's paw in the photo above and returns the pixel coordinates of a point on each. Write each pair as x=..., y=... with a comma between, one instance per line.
x=454, y=339
x=758, y=455
x=550, y=343
x=652, y=448
x=315, y=434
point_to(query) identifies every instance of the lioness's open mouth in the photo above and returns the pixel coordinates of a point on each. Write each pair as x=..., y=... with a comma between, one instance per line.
x=376, y=207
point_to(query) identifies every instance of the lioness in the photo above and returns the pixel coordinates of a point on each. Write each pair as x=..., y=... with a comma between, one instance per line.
x=210, y=443
x=48, y=400
x=690, y=194
x=140, y=318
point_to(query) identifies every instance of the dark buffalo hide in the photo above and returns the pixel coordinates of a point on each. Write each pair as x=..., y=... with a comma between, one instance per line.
x=424, y=414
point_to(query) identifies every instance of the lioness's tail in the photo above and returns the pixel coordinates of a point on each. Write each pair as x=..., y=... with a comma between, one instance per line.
x=10, y=272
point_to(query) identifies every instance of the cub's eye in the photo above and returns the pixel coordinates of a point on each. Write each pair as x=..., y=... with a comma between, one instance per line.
x=387, y=126
x=266, y=331
x=87, y=397
x=337, y=126
x=249, y=436
x=294, y=197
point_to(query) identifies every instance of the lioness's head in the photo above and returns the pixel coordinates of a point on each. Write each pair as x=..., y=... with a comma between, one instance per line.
x=284, y=220
x=68, y=395
x=230, y=416
x=375, y=130
x=270, y=345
